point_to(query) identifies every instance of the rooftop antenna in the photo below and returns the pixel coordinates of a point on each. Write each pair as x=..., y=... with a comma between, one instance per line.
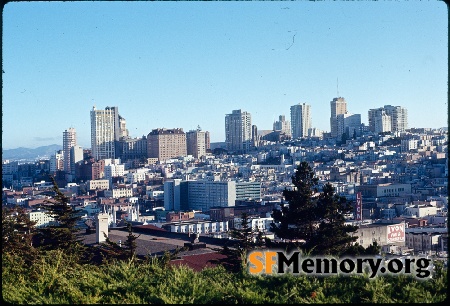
x=337, y=86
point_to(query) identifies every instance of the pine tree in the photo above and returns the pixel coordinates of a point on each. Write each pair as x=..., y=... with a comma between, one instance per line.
x=62, y=233
x=332, y=237
x=17, y=233
x=112, y=250
x=296, y=221
x=243, y=240
x=316, y=221
x=130, y=243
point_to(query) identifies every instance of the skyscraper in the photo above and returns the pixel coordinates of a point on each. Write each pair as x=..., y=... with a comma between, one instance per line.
x=166, y=143
x=282, y=125
x=195, y=143
x=399, y=117
x=69, y=141
x=349, y=124
x=338, y=107
x=397, y=121
x=300, y=120
x=105, y=132
x=238, y=131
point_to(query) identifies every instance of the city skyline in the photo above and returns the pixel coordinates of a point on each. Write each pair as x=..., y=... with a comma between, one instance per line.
x=199, y=61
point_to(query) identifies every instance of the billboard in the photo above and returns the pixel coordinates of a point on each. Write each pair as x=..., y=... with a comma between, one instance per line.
x=358, y=216
x=396, y=233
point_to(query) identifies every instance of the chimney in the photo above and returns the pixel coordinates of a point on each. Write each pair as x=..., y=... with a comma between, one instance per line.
x=101, y=227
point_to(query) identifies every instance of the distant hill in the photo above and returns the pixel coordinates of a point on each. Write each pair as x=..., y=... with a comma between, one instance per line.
x=26, y=153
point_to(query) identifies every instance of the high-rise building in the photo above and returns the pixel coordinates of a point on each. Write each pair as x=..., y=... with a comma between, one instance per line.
x=379, y=121
x=133, y=148
x=204, y=194
x=166, y=143
x=69, y=141
x=349, y=124
x=105, y=132
x=172, y=195
x=195, y=143
x=300, y=120
x=238, y=131
x=283, y=126
x=399, y=117
x=56, y=161
x=207, y=141
x=255, y=137
x=76, y=155
x=123, y=127
x=338, y=107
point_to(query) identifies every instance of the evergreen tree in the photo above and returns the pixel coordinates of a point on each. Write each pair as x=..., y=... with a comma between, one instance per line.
x=316, y=221
x=17, y=233
x=113, y=250
x=62, y=233
x=296, y=221
x=244, y=240
x=130, y=243
x=332, y=237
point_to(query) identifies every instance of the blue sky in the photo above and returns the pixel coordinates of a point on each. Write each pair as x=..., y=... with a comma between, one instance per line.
x=184, y=64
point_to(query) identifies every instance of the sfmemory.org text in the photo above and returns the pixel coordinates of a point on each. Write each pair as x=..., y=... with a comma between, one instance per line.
x=278, y=262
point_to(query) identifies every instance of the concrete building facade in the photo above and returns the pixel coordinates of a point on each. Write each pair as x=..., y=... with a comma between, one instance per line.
x=165, y=144
x=338, y=106
x=300, y=120
x=238, y=131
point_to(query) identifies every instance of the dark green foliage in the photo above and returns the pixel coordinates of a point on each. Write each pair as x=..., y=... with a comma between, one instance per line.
x=333, y=235
x=62, y=234
x=243, y=240
x=112, y=250
x=17, y=233
x=316, y=223
x=56, y=279
x=297, y=220
x=130, y=243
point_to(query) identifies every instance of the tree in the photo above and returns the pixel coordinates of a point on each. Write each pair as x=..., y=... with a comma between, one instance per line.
x=113, y=250
x=130, y=243
x=296, y=221
x=244, y=239
x=316, y=221
x=332, y=237
x=62, y=233
x=17, y=233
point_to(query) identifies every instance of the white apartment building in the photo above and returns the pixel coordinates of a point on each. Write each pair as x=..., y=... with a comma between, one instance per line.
x=409, y=144
x=348, y=123
x=135, y=177
x=388, y=119
x=69, y=140
x=105, y=132
x=119, y=193
x=300, y=120
x=420, y=211
x=56, y=161
x=198, y=227
x=98, y=184
x=41, y=218
x=76, y=155
x=114, y=171
x=257, y=224
x=238, y=131
x=383, y=233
